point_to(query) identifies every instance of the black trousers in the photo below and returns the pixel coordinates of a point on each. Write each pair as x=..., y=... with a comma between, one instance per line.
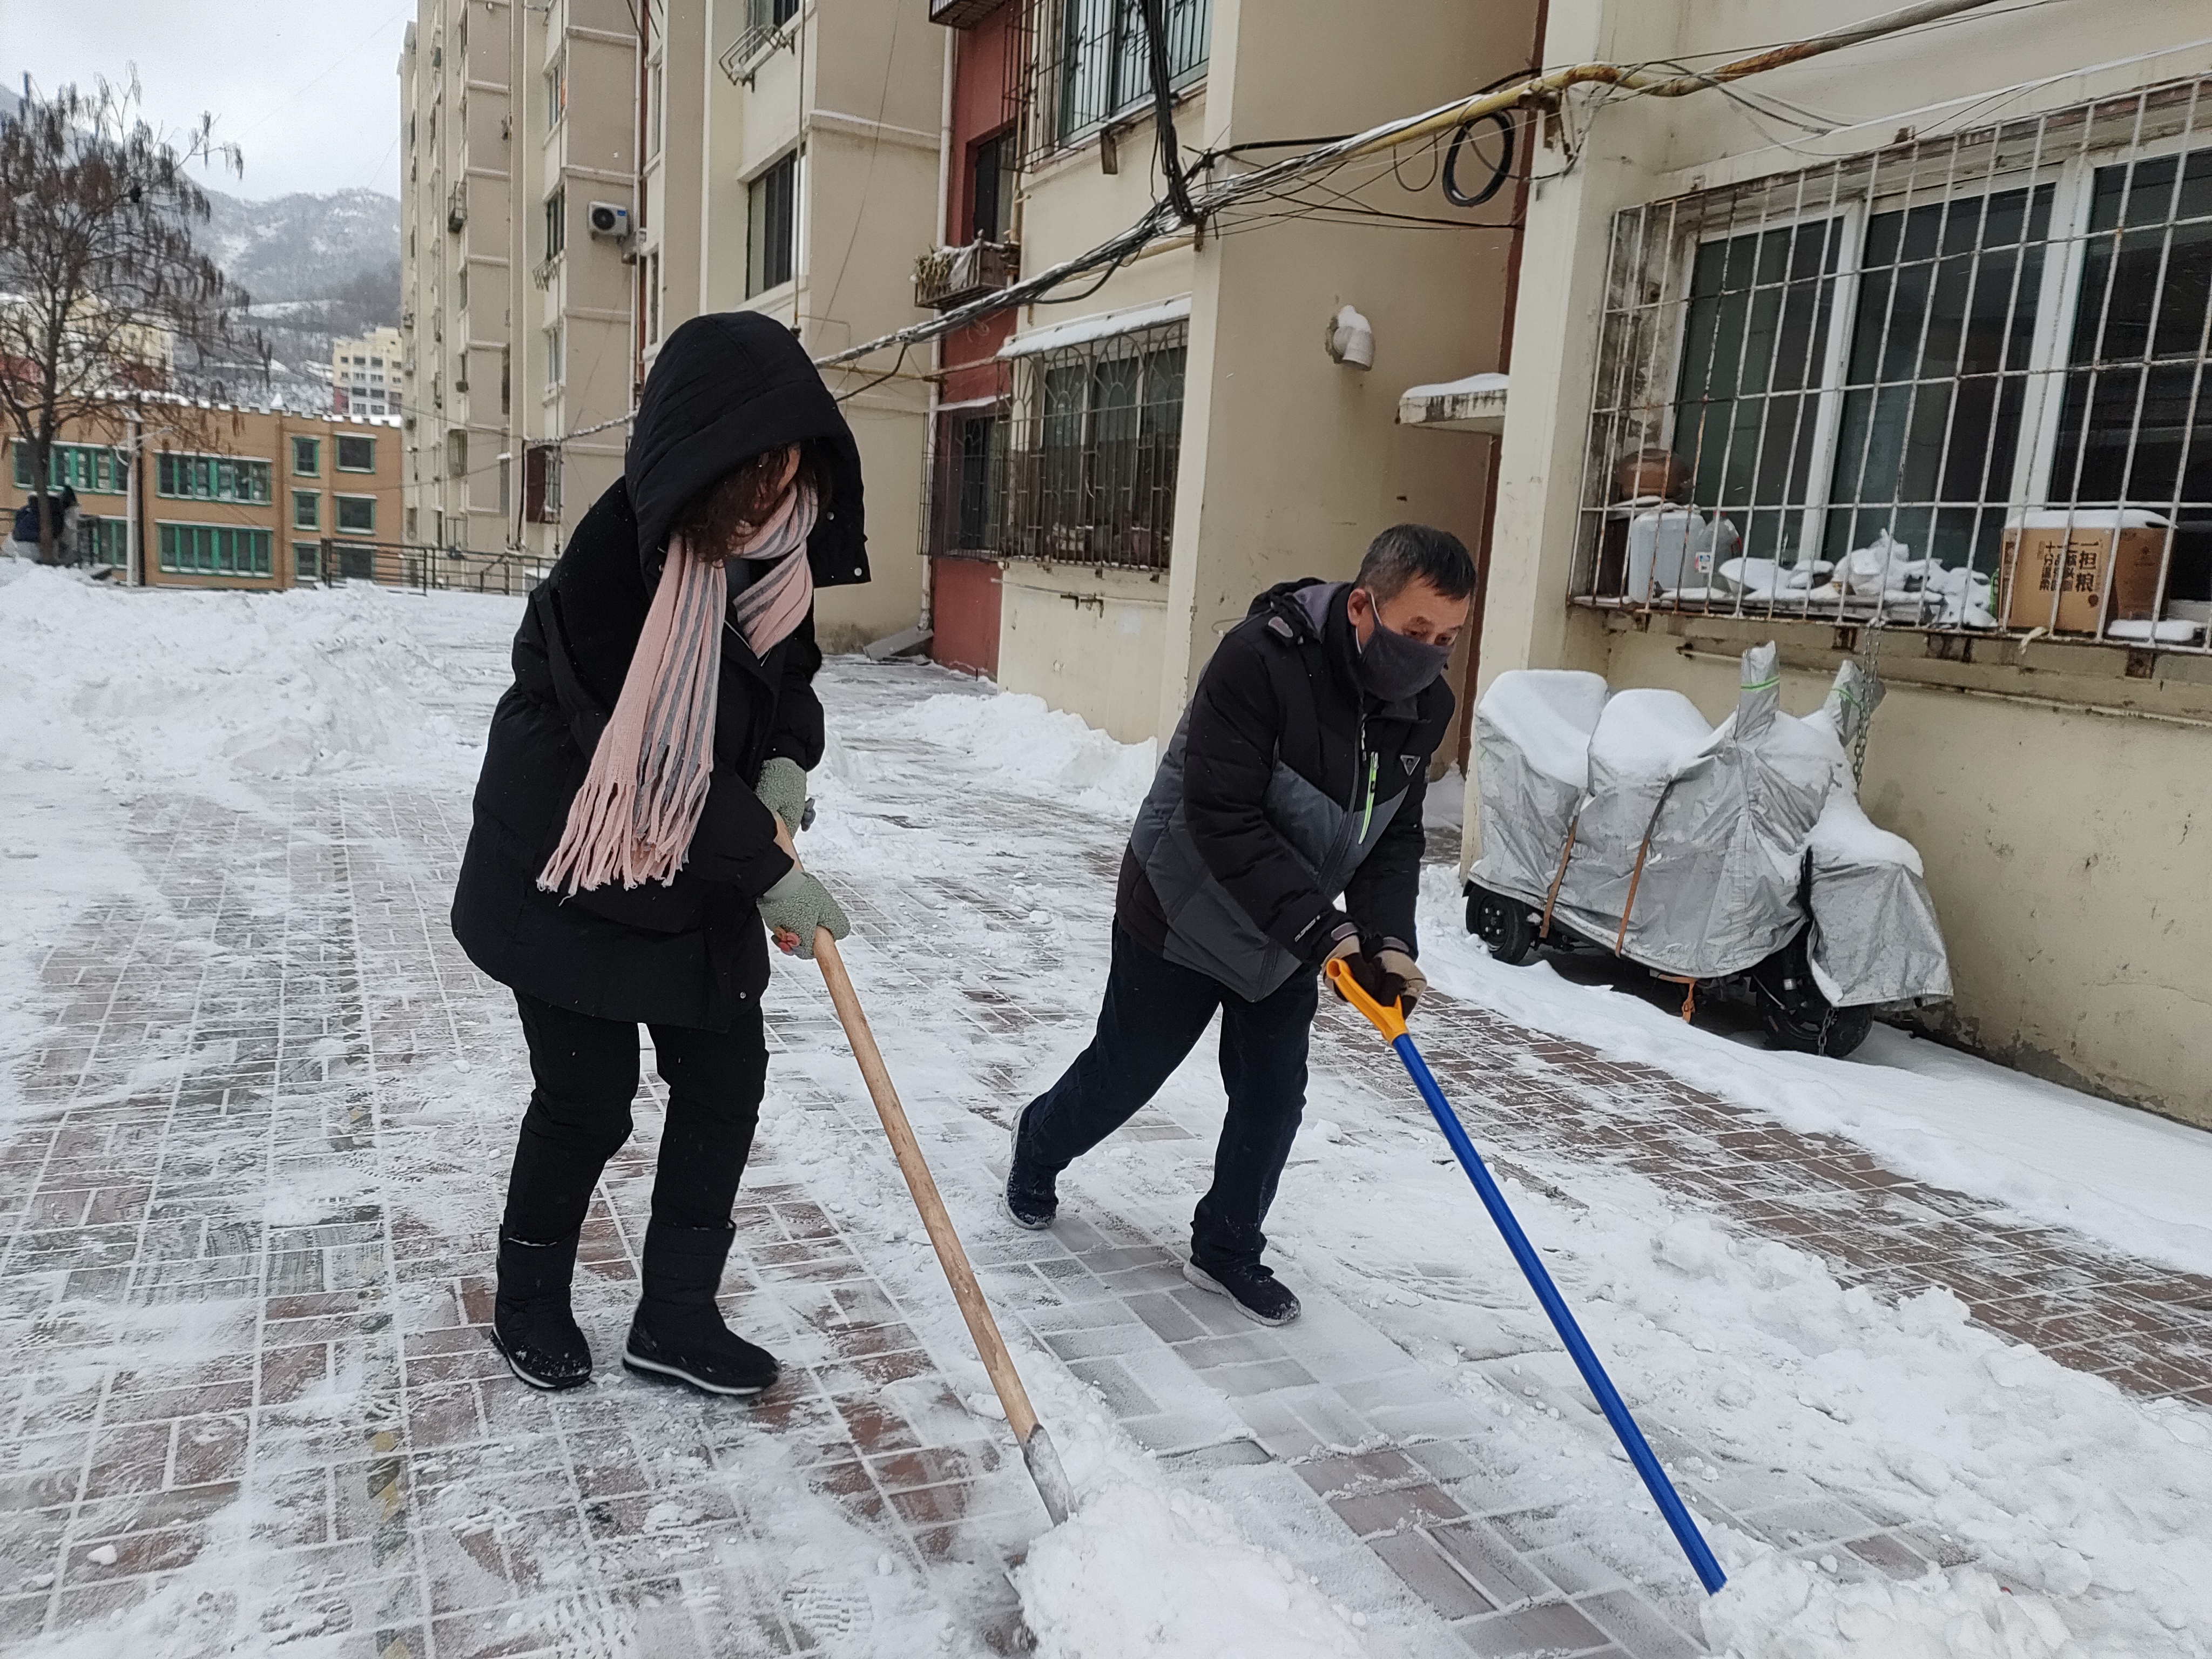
x=1154, y=1014
x=587, y=1072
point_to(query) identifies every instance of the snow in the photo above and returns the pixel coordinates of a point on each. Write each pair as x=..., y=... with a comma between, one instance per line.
x=1844, y=833
x=1100, y=325
x=1548, y=714
x=1649, y=732
x=2087, y=1513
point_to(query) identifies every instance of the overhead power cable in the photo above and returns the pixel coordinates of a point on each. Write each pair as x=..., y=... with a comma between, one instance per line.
x=1166, y=218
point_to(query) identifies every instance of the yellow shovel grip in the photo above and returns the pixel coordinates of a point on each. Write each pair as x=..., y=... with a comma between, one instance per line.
x=1390, y=1021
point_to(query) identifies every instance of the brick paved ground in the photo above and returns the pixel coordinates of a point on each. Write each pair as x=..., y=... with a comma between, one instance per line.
x=253, y=1167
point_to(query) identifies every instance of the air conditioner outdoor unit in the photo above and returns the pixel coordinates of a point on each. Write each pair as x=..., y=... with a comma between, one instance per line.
x=609, y=219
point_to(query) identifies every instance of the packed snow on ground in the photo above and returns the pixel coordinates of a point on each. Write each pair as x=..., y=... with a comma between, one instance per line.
x=2087, y=1512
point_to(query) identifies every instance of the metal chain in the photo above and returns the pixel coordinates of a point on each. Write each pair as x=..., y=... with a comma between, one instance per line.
x=1870, y=658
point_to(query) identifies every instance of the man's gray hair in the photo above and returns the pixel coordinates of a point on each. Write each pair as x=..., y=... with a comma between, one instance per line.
x=1406, y=552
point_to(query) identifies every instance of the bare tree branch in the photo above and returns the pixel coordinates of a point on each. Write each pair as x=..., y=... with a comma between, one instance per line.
x=101, y=285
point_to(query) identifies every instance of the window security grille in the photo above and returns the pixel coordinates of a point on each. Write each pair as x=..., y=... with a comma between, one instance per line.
x=1080, y=468
x=1955, y=383
x=1091, y=63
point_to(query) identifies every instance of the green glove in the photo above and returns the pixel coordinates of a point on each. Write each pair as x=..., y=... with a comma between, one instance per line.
x=782, y=789
x=794, y=908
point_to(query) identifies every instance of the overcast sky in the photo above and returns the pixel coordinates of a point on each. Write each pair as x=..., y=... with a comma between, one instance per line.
x=307, y=88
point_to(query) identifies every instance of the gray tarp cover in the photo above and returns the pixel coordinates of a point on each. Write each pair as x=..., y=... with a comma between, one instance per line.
x=1729, y=814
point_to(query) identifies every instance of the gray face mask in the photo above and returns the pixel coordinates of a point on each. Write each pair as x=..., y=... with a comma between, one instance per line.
x=1393, y=668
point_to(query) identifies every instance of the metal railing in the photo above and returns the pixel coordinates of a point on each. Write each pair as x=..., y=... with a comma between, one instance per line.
x=332, y=562
x=1092, y=65
x=948, y=276
x=1077, y=466
x=1955, y=385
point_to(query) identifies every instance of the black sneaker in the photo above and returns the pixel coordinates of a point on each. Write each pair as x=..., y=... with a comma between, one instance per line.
x=1256, y=1292
x=531, y=1324
x=1031, y=1201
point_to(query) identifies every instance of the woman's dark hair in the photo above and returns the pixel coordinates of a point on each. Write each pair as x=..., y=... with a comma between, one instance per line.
x=712, y=521
x=1405, y=552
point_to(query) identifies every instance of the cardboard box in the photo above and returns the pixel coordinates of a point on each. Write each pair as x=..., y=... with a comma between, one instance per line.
x=2067, y=554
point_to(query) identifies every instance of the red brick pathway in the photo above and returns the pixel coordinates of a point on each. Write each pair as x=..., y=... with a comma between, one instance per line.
x=253, y=1165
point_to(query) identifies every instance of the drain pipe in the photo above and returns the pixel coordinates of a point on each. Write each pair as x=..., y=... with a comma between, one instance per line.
x=942, y=232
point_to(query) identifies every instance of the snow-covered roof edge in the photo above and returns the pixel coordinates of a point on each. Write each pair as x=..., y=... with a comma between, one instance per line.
x=1099, y=326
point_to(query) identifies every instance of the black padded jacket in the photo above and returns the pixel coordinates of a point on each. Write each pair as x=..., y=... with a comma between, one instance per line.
x=1284, y=785
x=724, y=388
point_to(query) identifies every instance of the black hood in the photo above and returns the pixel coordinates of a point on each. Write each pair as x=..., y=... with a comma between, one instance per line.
x=728, y=386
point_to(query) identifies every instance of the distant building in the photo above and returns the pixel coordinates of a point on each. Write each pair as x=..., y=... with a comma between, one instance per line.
x=222, y=498
x=365, y=374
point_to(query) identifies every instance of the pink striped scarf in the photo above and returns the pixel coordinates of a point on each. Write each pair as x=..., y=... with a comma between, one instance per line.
x=632, y=819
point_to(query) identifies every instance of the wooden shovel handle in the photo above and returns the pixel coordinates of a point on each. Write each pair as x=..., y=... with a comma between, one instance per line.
x=1020, y=1416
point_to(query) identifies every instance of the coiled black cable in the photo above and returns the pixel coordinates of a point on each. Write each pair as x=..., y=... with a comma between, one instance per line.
x=1500, y=174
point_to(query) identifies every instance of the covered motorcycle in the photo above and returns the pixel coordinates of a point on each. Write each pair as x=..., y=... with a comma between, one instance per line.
x=1734, y=857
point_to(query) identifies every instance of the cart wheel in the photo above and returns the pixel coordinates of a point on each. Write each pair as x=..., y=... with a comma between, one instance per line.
x=1795, y=1014
x=1505, y=925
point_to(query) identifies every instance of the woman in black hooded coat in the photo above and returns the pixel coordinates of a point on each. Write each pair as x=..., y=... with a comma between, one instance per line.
x=689, y=959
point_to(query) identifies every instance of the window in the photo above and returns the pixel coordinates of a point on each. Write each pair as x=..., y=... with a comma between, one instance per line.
x=308, y=457
x=505, y=485
x=307, y=510
x=356, y=454
x=1103, y=65
x=1872, y=389
x=355, y=515
x=457, y=452
x=771, y=214
x=557, y=222
x=461, y=291
x=215, y=549
x=555, y=367
x=968, y=499
x=556, y=90
x=211, y=478
x=991, y=188
x=89, y=470
x=541, y=484
x=655, y=84
x=653, y=296
x=306, y=561
x=1091, y=474
x=103, y=541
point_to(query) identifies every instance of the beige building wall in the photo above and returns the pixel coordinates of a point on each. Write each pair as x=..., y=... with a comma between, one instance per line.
x=456, y=112
x=2059, y=803
x=573, y=356
x=855, y=91
x=1290, y=462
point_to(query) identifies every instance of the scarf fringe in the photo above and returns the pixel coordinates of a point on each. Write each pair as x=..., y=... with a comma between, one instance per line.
x=633, y=818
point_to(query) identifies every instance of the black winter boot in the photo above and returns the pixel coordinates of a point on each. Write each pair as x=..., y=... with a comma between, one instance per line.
x=1031, y=1199
x=1252, y=1286
x=531, y=1323
x=679, y=1335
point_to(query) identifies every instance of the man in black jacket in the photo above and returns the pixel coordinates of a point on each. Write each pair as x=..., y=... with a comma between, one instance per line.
x=1297, y=776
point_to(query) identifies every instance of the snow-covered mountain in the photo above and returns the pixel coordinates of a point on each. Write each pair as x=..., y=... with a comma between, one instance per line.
x=318, y=268
x=302, y=246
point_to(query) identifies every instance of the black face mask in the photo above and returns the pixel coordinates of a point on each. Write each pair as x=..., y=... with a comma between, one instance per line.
x=1393, y=668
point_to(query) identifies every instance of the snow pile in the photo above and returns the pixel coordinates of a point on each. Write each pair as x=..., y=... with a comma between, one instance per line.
x=1019, y=739
x=1146, y=1569
x=211, y=689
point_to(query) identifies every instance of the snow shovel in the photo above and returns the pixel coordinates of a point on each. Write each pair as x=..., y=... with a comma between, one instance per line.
x=1391, y=1022
x=1038, y=1451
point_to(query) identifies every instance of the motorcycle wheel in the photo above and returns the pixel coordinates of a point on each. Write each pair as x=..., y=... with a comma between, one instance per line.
x=1503, y=924
x=1795, y=1014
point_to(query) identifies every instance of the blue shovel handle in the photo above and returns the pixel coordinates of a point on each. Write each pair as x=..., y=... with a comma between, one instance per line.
x=1392, y=1024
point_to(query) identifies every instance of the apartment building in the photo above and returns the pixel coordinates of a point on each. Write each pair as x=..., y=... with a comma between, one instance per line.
x=199, y=496
x=1114, y=477
x=365, y=374
x=457, y=118
x=792, y=166
x=1931, y=367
